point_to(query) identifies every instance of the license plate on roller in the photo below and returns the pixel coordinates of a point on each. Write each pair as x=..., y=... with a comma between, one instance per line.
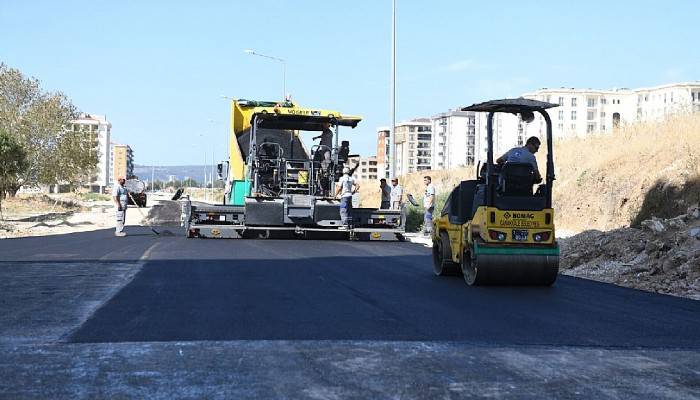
x=519, y=235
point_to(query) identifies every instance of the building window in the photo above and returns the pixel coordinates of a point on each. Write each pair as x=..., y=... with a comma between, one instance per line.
x=573, y=102
x=573, y=126
x=573, y=115
x=411, y=129
x=590, y=128
x=561, y=114
x=603, y=101
x=602, y=114
x=591, y=115
x=591, y=101
x=560, y=127
x=561, y=101
x=602, y=127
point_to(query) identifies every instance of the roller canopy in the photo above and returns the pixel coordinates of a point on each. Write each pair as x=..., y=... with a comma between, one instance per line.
x=303, y=122
x=513, y=106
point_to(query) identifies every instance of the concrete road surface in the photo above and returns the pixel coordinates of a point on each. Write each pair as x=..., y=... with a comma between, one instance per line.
x=88, y=315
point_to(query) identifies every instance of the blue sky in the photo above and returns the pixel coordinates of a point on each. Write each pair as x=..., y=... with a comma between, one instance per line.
x=157, y=68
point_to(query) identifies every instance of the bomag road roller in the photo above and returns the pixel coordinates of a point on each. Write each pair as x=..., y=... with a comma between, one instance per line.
x=495, y=229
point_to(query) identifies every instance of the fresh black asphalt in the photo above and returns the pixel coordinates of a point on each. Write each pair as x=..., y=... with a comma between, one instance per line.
x=334, y=290
x=88, y=315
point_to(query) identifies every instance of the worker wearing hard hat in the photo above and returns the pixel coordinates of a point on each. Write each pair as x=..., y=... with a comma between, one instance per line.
x=345, y=188
x=120, y=195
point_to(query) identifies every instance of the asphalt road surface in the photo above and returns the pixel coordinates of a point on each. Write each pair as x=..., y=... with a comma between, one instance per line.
x=89, y=315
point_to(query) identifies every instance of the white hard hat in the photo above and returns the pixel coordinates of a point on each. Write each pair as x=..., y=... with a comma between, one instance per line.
x=346, y=170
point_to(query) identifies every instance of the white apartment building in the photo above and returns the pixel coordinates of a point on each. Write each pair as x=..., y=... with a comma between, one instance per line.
x=413, y=146
x=584, y=111
x=459, y=137
x=100, y=129
x=367, y=169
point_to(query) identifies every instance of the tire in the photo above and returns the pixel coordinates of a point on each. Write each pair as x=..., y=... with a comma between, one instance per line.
x=470, y=269
x=442, y=257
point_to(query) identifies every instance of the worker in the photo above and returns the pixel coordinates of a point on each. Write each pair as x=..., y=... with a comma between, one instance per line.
x=429, y=205
x=120, y=195
x=326, y=136
x=323, y=151
x=396, y=194
x=386, y=194
x=525, y=155
x=346, y=187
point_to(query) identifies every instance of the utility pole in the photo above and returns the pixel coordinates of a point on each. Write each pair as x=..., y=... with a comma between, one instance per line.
x=392, y=129
x=212, y=174
x=153, y=174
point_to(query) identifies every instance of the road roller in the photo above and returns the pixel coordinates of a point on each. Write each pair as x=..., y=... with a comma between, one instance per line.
x=498, y=229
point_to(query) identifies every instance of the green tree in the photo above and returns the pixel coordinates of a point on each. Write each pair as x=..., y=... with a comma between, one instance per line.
x=189, y=182
x=41, y=123
x=13, y=162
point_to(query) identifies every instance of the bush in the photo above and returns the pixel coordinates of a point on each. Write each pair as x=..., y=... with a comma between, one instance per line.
x=414, y=214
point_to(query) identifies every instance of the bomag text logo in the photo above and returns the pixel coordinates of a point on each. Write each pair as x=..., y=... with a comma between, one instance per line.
x=523, y=215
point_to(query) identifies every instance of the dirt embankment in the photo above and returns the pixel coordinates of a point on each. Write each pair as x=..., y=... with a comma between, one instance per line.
x=611, y=181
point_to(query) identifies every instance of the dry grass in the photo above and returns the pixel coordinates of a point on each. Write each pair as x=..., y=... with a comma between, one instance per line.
x=37, y=203
x=198, y=194
x=603, y=180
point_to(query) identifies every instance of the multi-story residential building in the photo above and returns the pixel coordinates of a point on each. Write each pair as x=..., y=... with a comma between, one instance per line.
x=454, y=139
x=584, y=111
x=413, y=145
x=367, y=169
x=383, y=151
x=100, y=130
x=122, y=161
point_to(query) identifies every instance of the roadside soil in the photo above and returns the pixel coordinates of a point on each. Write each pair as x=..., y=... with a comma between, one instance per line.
x=41, y=215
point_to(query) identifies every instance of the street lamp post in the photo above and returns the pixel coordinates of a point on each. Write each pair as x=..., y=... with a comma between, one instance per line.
x=392, y=131
x=284, y=69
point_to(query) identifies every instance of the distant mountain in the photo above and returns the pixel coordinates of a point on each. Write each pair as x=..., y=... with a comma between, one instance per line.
x=161, y=173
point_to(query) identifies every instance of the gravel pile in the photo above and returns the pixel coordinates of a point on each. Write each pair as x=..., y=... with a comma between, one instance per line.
x=662, y=256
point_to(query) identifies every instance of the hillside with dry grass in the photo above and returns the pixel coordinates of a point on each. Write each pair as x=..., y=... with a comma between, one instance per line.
x=644, y=170
x=606, y=181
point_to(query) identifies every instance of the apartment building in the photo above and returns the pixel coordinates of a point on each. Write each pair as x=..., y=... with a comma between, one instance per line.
x=413, y=145
x=584, y=111
x=459, y=137
x=122, y=160
x=367, y=169
x=99, y=129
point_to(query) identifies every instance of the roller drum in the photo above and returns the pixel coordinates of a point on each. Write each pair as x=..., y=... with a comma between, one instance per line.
x=516, y=269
